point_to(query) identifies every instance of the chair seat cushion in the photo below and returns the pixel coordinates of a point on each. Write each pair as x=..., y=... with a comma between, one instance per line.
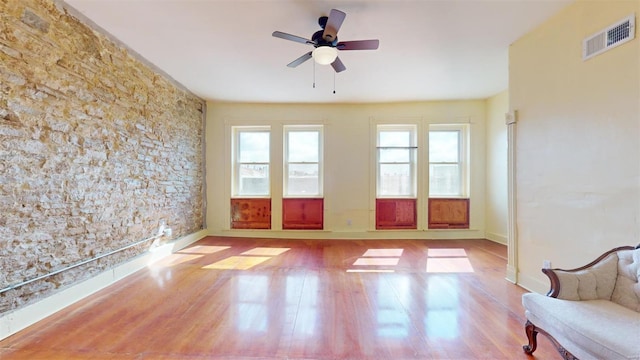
x=589, y=329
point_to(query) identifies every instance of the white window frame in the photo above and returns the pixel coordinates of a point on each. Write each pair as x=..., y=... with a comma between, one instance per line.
x=285, y=176
x=413, y=158
x=463, y=158
x=236, y=164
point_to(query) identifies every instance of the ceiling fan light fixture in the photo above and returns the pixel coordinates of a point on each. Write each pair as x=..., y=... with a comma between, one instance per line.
x=325, y=55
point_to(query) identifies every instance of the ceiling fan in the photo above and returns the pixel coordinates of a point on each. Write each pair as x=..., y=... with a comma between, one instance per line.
x=326, y=42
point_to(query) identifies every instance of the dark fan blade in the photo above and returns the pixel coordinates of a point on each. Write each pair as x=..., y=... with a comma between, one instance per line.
x=336, y=17
x=300, y=60
x=281, y=35
x=358, y=45
x=338, y=66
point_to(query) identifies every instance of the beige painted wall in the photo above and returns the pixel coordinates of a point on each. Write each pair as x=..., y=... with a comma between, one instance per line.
x=578, y=147
x=349, y=185
x=496, y=160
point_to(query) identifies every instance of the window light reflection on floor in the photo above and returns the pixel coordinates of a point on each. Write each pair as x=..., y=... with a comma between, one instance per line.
x=304, y=306
x=442, y=300
x=448, y=261
x=251, y=303
x=392, y=318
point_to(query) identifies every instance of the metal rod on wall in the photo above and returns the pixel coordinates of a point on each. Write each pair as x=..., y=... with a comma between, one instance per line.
x=14, y=286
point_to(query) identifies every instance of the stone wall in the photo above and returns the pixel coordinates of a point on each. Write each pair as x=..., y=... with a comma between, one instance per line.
x=96, y=149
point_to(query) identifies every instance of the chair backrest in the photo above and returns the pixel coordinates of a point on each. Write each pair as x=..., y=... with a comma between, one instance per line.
x=592, y=283
x=627, y=288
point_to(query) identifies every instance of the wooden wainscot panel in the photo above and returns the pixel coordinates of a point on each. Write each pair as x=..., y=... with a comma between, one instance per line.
x=396, y=214
x=448, y=213
x=251, y=213
x=302, y=214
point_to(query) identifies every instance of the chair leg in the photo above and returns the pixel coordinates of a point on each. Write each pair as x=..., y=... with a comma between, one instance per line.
x=532, y=333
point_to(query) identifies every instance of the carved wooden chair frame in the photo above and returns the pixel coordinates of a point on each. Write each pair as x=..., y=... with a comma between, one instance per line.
x=532, y=330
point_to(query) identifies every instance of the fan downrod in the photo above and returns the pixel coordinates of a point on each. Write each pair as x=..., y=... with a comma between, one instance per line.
x=322, y=21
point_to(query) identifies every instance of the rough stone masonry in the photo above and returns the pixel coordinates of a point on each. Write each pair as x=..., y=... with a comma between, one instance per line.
x=96, y=149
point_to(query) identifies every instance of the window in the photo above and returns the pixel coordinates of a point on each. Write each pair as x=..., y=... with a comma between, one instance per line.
x=251, y=162
x=302, y=161
x=396, y=173
x=447, y=160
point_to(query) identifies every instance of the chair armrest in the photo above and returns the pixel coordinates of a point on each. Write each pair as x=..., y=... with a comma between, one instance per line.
x=563, y=288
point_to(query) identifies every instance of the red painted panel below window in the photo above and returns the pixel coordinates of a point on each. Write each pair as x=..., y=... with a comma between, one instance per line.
x=448, y=213
x=251, y=213
x=299, y=214
x=396, y=214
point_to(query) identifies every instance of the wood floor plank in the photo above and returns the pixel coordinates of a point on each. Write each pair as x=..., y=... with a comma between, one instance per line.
x=243, y=298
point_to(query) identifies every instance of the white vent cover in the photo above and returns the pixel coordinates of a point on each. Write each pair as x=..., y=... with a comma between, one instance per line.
x=614, y=35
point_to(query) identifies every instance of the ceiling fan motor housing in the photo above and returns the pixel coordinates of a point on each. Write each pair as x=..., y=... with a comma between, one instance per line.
x=321, y=41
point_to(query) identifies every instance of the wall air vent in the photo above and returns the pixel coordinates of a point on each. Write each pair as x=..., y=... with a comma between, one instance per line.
x=614, y=35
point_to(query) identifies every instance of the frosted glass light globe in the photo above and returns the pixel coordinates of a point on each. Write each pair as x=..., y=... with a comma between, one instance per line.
x=325, y=55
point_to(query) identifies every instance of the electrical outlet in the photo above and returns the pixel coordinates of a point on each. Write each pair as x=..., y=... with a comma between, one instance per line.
x=163, y=225
x=546, y=264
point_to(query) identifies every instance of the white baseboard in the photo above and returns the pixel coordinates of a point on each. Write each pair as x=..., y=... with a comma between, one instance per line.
x=512, y=274
x=14, y=321
x=533, y=284
x=354, y=235
x=502, y=239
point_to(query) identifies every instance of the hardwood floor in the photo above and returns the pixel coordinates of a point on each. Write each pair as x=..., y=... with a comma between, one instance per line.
x=236, y=298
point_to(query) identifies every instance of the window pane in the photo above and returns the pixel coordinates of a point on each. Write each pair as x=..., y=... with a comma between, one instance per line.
x=395, y=155
x=303, y=179
x=444, y=146
x=394, y=138
x=303, y=146
x=444, y=180
x=395, y=180
x=253, y=146
x=254, y=179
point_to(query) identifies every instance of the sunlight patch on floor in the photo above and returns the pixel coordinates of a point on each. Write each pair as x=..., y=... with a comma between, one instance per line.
x=448, y=261
x=377, y=260
x=203, y=249
x=383, y=252
x=446, y=253
x=265, y=251
x=247, y=259
x=237, y=263
x=176, y=259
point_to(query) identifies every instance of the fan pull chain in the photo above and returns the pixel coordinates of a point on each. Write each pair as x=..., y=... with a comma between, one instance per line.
x=334, y=82
x=314, y=74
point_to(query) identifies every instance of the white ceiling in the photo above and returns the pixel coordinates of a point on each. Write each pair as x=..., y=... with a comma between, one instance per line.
x=223, y=49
